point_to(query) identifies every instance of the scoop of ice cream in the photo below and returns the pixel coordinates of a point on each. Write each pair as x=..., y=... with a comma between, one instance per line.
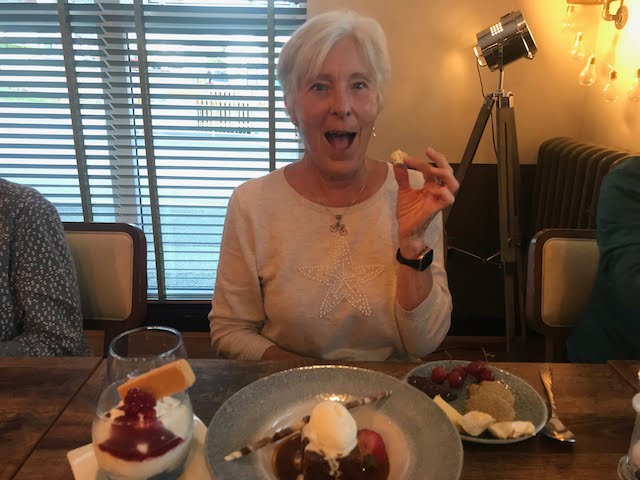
x=331, y=430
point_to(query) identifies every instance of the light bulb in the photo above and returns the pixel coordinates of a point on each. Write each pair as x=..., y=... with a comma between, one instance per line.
x=610, y=91
x=634, y=90
x=588, y=75
x=578, y=51
x=569, y=21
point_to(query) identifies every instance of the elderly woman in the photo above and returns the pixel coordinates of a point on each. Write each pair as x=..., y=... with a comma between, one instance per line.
x=336, y=256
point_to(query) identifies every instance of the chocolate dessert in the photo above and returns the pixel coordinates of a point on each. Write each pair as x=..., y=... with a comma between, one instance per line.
x=331, y=447
x=316, y=466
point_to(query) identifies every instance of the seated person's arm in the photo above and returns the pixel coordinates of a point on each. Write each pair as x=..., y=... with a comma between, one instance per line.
x=237, y=312
x=44, y=284
x=619, y=236
x=424, y=327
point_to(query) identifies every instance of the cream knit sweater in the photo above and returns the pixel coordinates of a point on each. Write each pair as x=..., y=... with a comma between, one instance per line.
x=284, y=278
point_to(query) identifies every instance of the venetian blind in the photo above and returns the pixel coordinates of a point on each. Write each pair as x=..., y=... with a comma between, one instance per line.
x=146, y=112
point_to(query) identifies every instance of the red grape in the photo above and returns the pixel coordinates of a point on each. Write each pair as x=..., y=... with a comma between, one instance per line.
x=454, y=379
x=438, y=375
x=486, y=374
x=474, y=368
x=461, y=370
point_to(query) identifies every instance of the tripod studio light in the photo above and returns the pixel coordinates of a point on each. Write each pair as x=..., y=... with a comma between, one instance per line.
x=505, y=42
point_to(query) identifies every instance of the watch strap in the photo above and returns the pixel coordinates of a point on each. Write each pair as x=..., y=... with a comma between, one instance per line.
x=421, y=263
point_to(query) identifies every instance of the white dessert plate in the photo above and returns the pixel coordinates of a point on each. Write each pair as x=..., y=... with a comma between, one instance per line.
x=421, y=441
x=528, y=404
x=85, y=467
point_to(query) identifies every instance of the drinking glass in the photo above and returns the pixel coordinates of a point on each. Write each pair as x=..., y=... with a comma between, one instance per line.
x=141, y=439
x=629, y=465
x=142, y=349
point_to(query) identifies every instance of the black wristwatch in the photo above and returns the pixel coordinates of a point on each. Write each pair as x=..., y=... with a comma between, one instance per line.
x=421, y=263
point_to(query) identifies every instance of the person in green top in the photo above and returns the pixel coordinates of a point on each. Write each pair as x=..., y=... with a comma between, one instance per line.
x=609, y=328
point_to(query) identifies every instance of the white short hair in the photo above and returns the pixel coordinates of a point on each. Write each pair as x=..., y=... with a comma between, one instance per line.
x=303, y=54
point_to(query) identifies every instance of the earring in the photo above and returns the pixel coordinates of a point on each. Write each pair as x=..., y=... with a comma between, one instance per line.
x=373, y=132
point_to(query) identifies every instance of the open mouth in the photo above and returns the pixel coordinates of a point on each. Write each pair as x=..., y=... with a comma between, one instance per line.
x=340, y=140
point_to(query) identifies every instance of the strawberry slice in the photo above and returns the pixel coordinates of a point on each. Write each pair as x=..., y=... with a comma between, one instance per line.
x=372, y=447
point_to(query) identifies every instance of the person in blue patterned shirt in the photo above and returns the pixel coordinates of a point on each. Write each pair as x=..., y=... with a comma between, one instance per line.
x=39, y=298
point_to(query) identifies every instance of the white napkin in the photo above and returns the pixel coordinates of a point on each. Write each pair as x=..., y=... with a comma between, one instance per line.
x=85, y=467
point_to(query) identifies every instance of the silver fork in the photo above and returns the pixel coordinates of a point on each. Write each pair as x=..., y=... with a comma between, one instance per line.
x=554, y=428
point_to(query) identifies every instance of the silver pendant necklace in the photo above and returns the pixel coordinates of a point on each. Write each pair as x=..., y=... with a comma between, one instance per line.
x=340, y=227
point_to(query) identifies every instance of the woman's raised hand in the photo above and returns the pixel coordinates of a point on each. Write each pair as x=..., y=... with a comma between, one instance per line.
x=417, y=207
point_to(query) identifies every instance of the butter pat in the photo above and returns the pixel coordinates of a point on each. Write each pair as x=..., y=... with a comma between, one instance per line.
x=163, y=381
x=474, y=422
x=502, y=430
x=451, y=412
x=521, y=428
x=511, y=429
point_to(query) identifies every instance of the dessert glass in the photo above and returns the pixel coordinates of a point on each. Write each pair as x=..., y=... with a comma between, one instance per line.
x=142, y=349
x=142, y=445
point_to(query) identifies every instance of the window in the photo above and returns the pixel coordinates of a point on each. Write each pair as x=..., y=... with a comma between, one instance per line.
x=146, y=112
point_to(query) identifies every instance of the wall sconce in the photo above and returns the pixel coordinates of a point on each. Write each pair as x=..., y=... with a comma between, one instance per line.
x=619, y=18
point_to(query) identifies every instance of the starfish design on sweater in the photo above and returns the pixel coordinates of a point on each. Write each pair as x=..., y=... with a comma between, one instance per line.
x=343, y=279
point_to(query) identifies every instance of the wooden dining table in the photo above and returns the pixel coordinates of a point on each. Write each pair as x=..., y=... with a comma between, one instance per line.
x=33, y=394
x=629, y=370
x=593, y=400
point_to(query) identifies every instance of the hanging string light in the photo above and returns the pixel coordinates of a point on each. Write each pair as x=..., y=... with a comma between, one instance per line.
x=569, y=21
x=634, y=90
x=610, y=91
x=588, y=74
x=579, y=51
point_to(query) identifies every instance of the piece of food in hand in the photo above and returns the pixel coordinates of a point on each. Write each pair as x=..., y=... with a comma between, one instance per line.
x=163, y=381
x=451, y=412
x=330, y=445
x=398, y=157
x=474, y=423
x=492, y=398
